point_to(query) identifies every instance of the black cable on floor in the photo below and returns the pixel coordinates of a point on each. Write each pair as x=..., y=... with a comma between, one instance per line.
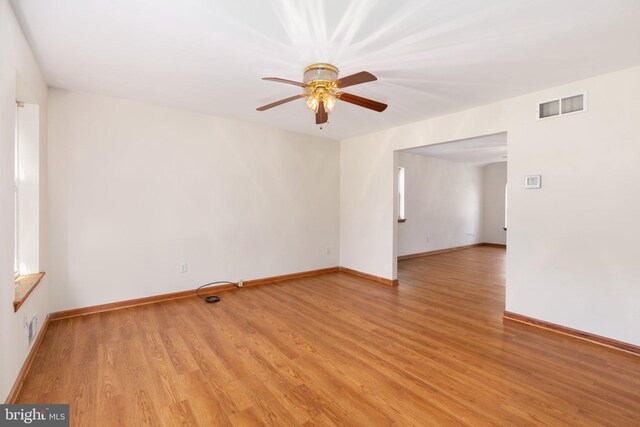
x=214, y=298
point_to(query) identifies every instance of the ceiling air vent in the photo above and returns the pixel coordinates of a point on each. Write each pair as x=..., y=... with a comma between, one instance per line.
x=562, y=106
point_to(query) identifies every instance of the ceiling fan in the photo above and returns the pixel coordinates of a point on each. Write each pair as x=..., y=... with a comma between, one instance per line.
x=323, y=88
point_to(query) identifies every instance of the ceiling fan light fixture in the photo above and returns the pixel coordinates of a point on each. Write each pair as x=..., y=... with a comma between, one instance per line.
x=320, y=72
x=320, y=80
x=320, y=94
x=322, y=90
x=313, y=102
x=329, y=102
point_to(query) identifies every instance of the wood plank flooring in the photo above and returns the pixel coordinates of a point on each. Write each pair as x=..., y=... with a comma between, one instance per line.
x=335, y=350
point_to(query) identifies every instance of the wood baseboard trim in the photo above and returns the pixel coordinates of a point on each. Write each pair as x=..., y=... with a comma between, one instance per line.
x=377, y=279
x=438, y=251
x=285, y=277
x=22, y=375
x=59, y=315
x=456, y=248
x=574, y=333
x=494, y=245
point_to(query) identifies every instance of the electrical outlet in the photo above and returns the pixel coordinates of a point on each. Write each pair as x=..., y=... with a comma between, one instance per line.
x=183, y=267
x=241, y=283
x=328, y=251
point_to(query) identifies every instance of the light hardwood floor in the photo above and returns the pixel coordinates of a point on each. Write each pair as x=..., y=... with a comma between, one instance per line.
x=335, y=349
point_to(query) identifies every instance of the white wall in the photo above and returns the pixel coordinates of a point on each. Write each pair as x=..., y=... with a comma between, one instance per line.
x=495, y=181
x=20, y=79
x=572, y=257
x=137, y=189
x=443, y=204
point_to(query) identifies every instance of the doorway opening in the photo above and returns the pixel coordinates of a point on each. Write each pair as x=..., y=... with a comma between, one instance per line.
x=450, y=196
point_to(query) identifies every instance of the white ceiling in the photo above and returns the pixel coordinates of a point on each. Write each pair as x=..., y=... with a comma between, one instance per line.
x=431, y=57
x=477, y=151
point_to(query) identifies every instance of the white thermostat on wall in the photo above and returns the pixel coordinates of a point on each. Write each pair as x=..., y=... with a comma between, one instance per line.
x=532, y=181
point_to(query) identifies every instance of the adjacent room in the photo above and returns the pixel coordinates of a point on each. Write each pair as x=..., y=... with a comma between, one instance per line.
x=319, y=212
x=455, y=195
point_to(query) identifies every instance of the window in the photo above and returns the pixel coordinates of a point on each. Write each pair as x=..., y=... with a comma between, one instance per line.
x=401, y=198
x=27, y=202
x=16, y=175
x=27, y=189
x=506, y=192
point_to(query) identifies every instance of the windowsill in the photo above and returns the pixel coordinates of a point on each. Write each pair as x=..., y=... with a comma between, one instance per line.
x=24, y=286
x=402, y=220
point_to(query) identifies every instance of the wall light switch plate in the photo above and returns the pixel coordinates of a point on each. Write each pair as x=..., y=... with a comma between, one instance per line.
x=533, y=181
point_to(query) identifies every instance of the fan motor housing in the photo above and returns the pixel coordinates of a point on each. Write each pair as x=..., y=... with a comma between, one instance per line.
x=320, y=73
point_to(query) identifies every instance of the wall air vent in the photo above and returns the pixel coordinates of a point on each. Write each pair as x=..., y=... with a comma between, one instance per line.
x=562, y=106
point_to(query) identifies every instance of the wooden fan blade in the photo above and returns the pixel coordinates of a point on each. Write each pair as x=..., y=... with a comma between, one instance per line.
x=321, y=115
x=362, y=102
x=291, y=82
x=282, y=101
x=355, y=79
